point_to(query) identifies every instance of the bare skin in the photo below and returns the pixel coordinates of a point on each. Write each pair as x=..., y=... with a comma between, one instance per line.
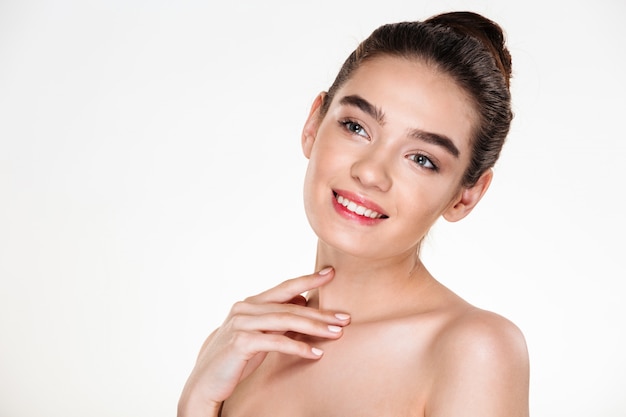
x=377, y=335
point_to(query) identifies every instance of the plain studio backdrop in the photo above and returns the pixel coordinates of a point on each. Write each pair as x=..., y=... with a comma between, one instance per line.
x=151, y=175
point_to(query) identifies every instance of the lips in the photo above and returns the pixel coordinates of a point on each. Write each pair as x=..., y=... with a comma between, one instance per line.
x=359, y=207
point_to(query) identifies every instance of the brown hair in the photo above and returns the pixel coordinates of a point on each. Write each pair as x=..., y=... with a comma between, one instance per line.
x=468, y=47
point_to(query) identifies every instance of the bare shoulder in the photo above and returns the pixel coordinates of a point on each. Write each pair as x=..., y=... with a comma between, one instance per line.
x=478, y=334
x=483, y=369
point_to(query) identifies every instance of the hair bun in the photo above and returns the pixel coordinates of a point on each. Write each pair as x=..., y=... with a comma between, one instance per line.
x=488, y=32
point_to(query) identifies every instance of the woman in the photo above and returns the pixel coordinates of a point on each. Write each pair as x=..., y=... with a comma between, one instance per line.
x=408, y=132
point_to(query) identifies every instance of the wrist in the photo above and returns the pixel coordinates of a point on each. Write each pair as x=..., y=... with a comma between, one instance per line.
x=189, y=408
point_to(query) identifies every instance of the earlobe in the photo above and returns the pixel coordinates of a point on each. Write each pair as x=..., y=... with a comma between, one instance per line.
x=309, y=132
x=468, y=198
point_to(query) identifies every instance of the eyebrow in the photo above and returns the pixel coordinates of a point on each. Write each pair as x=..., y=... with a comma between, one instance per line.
x=375, y=112
x=364, y=105
x=436, y=139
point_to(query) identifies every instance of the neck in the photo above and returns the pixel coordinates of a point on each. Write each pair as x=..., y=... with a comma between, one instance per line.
x=369, y=288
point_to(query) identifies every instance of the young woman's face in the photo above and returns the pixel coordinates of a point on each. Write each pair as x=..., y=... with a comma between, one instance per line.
x=387, y=159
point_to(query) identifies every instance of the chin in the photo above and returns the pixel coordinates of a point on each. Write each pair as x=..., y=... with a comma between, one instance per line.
x=347, y=244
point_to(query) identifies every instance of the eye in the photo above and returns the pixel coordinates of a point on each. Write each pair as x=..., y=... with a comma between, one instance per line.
x=423, y=161
x=354, y=128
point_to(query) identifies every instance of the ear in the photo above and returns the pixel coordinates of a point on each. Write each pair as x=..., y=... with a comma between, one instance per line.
x=468, y=198
x=309, y=132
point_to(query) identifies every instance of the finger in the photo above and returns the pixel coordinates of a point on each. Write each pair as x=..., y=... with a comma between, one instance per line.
x=285, y=322
x=251, y=344
x=287, y=290
x=245, y=308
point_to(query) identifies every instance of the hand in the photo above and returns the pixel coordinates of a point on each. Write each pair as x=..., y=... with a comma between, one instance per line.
x=253, y=328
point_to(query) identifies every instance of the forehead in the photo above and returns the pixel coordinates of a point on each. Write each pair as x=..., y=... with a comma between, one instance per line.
x=414, y=95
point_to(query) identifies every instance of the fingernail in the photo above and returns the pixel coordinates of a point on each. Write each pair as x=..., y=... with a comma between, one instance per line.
x=342, y=316
x=326, y=270
x=316, y=351
x=334, y=329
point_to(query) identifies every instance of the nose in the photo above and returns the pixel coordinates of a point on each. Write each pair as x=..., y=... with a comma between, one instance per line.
x=371, y=169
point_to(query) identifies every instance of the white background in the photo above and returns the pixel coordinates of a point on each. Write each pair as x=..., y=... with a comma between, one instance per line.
x=150, y=175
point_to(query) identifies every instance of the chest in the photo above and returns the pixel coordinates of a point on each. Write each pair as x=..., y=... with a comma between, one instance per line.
x=371, y=371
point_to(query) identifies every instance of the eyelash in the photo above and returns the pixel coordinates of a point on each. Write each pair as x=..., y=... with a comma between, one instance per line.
x=419, y=159
x=349, y=125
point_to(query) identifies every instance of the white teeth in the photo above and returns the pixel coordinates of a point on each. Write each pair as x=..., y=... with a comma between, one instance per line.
x=355, y=208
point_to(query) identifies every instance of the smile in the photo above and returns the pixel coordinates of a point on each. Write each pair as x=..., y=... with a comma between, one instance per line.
x=358, y=209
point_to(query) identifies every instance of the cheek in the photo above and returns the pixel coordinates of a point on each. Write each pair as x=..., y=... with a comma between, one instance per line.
x=313, y=179
x=425, y=201
x=324, y=161
x=308, y=183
